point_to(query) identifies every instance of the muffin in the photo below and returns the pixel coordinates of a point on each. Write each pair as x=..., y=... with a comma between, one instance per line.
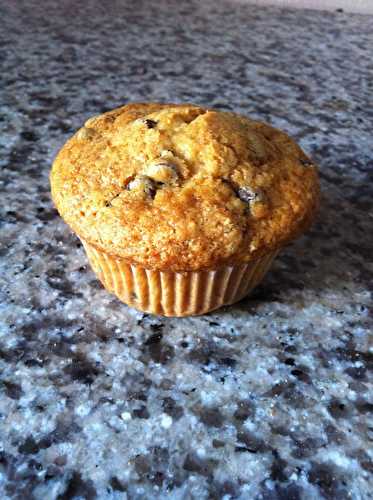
x=181, y=209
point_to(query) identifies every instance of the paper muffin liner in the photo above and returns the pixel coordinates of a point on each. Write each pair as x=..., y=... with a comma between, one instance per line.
x=170, y=293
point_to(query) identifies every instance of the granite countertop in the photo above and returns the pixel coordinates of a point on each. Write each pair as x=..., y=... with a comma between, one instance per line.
x=267, y=399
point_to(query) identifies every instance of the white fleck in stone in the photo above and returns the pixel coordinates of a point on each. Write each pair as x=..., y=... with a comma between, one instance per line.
x=82, y=410
x=208, y=398
x=166, y=421
x=340, y=459
x=126, y=416
x=249, y=425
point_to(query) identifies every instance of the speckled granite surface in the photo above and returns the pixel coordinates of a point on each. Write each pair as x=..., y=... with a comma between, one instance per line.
x=268, y=399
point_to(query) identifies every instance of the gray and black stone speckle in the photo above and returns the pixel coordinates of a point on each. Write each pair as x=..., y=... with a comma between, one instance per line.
x=268, y=399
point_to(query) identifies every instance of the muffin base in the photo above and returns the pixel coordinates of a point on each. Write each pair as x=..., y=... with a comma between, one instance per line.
x=168, y=293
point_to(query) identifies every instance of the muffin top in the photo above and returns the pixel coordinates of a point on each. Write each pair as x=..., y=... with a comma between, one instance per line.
x=181, y=187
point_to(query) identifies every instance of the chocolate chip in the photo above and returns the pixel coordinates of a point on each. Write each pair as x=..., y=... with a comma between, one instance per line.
x=245, y=193
x=143, y=184
x=150, y=123
x=305, y=163
x=162, y=172
x=86, y=134
x=248, y=195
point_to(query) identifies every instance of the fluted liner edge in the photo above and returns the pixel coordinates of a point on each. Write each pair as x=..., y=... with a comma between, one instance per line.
x=170, y=293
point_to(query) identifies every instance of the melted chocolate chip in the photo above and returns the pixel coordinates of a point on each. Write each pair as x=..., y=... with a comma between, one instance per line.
x=305, y=163
x=162, y=172
x=244, y=193
x=143, y=183
x=150, y=123
x=248, y=196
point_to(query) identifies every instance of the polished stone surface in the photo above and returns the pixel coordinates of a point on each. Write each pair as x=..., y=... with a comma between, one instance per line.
x=268, y=399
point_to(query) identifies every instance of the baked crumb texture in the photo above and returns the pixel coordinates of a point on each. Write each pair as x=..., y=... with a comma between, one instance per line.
x=183, y=188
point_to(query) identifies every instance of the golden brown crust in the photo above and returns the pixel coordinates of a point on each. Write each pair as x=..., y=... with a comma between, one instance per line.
x=183, y=188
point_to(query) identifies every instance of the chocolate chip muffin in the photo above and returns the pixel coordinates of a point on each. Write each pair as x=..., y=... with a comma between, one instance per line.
x=181, y=209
